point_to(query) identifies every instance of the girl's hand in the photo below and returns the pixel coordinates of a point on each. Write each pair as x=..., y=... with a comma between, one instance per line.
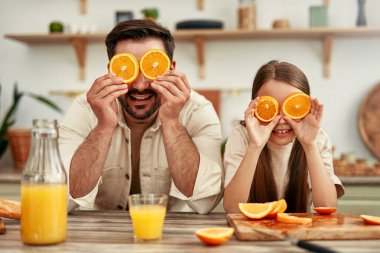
x=258, y=132
x=306, y=129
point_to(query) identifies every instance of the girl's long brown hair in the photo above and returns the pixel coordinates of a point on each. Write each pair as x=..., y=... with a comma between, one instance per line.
x=263, y=187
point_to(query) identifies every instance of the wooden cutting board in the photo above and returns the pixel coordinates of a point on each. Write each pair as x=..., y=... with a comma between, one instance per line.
x=2, y=227
x=323, y=227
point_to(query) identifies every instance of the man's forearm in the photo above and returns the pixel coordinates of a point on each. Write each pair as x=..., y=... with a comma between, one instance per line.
x=88, y=161
x=183, y=156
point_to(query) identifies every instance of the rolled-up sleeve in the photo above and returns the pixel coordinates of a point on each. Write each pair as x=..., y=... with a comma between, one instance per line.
x=203, y=126
x=73, y=130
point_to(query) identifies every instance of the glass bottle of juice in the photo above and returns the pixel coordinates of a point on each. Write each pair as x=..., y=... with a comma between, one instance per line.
x=44, y=188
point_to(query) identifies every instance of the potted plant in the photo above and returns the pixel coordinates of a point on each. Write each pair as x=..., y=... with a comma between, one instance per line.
x=9, y=120
x=151, y=13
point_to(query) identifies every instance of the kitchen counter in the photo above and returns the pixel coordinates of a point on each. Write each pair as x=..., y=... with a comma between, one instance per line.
x=111, y=231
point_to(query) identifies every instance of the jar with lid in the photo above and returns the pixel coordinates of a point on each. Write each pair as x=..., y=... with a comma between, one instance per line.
x=247, y=14
x=44, y=188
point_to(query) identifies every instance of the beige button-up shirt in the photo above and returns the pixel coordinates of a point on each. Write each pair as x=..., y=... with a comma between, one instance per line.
x=237, y=145
x=203, y=126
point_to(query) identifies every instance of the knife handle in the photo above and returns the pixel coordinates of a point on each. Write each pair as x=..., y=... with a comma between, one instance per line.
x=314, y=248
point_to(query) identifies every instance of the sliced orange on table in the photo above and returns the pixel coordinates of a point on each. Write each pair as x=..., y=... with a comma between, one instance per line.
x=296, y=105
x=267, y=109
x=371, y=220
x=286, y=218
x=278, y=207
x=325, y=210
x=256, y=211
x=214, y=235
x=154, y=63
x=125, y=66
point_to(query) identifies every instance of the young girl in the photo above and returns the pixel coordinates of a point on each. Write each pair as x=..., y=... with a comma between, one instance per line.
x=286, y=158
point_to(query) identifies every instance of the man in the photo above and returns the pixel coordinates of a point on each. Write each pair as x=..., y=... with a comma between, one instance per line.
x=153, y=137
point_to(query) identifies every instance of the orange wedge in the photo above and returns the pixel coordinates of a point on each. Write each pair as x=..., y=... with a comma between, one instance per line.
x=214, y=235
x=267, y=109
x=278, y=207
x=371, y=220
x=125, y=66
x=325, y=210
x=154, y=63
x=286, y=218
x=255, y=211
x=296, y=105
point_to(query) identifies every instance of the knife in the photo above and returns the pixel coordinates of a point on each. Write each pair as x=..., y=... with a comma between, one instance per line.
x=299, y=243
x=309, y=246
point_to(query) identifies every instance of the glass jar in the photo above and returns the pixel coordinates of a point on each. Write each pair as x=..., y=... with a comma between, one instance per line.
x=247, y=14
x=44, y=188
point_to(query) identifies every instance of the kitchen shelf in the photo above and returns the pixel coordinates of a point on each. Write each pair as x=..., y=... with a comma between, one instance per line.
x=199, y=37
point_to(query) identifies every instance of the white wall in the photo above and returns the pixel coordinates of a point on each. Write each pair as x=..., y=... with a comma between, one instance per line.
x=229, y=64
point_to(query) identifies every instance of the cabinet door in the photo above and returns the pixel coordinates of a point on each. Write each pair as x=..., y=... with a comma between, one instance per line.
x=360, y=200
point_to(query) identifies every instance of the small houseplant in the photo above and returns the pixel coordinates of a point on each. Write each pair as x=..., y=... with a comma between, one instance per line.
x=9, y=118
x=151, y=13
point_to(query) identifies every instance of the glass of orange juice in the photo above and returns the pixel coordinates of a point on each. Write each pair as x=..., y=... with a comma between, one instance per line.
x=148, y=214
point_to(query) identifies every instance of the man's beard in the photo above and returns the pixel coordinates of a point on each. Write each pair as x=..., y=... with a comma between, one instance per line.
x=131, y=110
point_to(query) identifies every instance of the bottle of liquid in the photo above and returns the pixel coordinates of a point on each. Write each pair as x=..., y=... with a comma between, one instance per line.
x=44, y=188
x=361, y=20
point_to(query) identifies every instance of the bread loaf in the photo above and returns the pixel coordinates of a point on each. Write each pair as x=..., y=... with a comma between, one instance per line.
x=2, y=227
x=10, y=209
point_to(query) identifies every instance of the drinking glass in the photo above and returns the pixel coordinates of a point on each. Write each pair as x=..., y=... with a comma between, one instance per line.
x=148, y=214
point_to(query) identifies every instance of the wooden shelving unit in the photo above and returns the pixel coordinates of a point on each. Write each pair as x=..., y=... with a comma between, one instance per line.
x=199, y=38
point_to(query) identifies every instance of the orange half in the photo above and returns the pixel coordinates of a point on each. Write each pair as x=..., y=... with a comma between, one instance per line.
x=267, y=109
x=325, y=210
x=125, y=66
x=286, y=218
x=214, y=235
x=278, y=207
x=371, y=220
x=154, y=63
x=255, y=211
x=296, y=105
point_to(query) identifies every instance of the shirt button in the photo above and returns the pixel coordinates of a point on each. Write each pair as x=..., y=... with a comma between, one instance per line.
x=127, y=176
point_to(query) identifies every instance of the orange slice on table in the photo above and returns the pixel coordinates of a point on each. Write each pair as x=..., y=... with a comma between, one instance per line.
x=278, y=207
x=154, y=63
x=255, y=211
x=371, y=220
x=286, y=218
x=267, y=109
x=214, y=235
x=296, y=105
x=125, y=66
x=325, y=210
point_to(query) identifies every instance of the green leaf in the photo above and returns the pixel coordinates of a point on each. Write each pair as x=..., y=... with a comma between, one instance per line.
x=45, y=101
x=3, y=147
x=9, y=119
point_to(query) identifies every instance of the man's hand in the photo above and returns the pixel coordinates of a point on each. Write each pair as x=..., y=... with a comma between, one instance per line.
x=175, y=92
x=101, y=98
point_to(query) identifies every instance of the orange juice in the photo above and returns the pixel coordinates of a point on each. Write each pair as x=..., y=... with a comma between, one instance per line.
x=43, y=213
x=147, y=221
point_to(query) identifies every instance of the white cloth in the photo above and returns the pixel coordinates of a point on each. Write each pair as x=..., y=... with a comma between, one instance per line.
x=203, y=126
x=237, y=145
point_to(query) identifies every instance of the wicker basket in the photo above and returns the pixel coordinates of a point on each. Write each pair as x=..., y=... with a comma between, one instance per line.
x=19, y=142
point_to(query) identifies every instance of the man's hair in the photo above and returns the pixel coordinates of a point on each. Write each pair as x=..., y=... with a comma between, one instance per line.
x=139, y=29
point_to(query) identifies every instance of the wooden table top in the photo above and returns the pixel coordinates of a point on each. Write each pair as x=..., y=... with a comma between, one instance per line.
x=111, y=231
